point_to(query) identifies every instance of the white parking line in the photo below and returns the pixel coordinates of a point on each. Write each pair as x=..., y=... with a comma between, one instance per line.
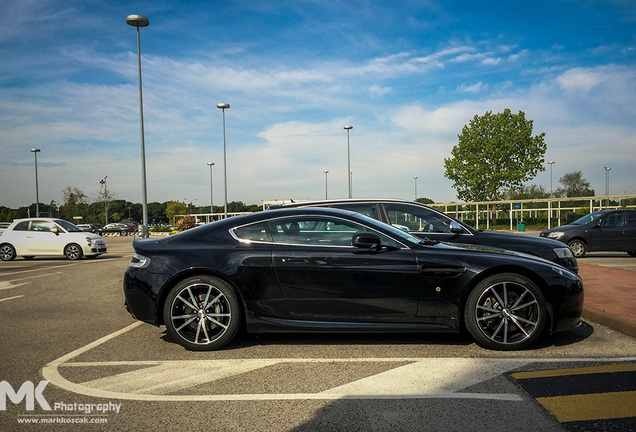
x=11, y=298
x=421, y=378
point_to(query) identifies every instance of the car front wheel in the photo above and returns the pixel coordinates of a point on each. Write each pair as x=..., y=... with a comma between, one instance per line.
x=505, y=312
x=7, y=252
x=578, y=248
x=202, y=313
x=73, y=252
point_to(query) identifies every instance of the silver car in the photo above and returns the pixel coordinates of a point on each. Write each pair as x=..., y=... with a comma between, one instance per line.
x=45, y=236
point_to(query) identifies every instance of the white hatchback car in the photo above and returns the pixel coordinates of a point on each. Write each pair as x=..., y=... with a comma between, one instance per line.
x=44, y=236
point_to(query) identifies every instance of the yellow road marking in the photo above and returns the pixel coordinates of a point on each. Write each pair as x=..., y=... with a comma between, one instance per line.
x=576, y=371
x=597, y=406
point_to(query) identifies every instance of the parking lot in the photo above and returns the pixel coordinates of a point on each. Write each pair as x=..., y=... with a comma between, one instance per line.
x=64, y=322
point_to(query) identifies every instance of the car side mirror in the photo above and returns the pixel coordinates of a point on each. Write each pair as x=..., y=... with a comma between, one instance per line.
x=367, y=240
x=456, y=228
x=55, y=230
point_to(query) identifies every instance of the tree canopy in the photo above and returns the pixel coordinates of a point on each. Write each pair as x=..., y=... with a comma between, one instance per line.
x=496, y=152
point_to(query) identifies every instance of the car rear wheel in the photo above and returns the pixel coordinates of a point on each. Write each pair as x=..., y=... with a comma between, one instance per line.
x=7, y=252
x=632, y=253
x=578, y=248
x=202, y=313
x=73, y=252
x=505, y=312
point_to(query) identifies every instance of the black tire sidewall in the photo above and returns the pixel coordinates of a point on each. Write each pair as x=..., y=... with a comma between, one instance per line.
x=13, y=253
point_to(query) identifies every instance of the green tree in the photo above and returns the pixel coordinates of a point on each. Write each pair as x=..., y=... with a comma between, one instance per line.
x=574, y=185
x=75, y=204
x=425, y=201
x=495, y=152
x=174, y=208
x=527, y=192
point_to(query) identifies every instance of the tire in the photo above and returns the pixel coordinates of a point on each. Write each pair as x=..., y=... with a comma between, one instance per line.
x=73, y=251
x=7, y=252
x=505, y=312
x=202, y=313
x=632, y=253
x=578, y=248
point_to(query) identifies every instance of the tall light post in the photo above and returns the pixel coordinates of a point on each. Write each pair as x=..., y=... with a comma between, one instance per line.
x=102, y=182
x=224, y=106
x=348, y=128
x=326, y=172
x=211, y=164
x=551, y=163
x=415, y=179
x=607, y=170
x=35, y=152
x=141, y=21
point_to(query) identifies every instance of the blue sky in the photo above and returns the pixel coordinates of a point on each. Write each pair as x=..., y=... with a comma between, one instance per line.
x=408, y=75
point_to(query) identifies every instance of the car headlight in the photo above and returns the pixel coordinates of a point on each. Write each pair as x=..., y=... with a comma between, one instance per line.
x=89, y=241
x=563, y=252
x=139, y=261
x=556, y=234
x=565, y=273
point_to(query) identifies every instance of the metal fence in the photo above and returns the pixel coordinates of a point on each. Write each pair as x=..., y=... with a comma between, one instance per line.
x=551, y=211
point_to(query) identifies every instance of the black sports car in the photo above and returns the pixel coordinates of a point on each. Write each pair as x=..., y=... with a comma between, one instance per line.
x=327, y=270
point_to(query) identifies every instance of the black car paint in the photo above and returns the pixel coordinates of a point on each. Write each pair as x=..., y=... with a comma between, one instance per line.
x=286, y=288
x=541, y=247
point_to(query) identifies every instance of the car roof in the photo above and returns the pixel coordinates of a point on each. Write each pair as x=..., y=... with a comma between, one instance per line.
x=341, y=201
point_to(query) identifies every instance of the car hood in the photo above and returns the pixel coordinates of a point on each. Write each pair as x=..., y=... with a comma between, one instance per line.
x=563, y=228
x=496, y=250
x=518, y=238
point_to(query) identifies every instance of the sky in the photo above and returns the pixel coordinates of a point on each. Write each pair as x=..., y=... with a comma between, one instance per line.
x=407, y=75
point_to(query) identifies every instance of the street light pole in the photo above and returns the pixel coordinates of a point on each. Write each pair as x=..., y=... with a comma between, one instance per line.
x=348, y=128
x=224, y=106
x=607, y=170
x=37, y=193
x=103, y=183
x=415, y=178
x=211, y=164
x=551, y=163
x=141, y=21
x=326, y=172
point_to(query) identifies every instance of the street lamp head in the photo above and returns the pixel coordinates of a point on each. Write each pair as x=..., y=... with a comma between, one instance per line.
x=210, y=163
x=34, y=150
x=607, y=168
x=348, y=127
x=137, y=20
x=223, y=105
x=551, y=162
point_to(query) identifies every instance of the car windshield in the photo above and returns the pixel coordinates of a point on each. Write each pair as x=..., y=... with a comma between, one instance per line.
x=67, y=226
x=395, y=232
x=587, y=218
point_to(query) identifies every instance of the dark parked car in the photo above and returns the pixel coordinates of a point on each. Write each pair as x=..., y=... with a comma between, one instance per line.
x=328, y=270
x=607, y=230
x=426, y=222
x=89, y=228
x=120, y=228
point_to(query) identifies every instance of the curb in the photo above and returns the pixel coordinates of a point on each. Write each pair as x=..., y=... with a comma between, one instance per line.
x=608, y=320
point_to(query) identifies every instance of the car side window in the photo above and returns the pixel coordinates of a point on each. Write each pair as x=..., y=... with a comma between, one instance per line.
x=631, y=220
x=318, y=231
x=370, y=209
x=412, y=218
x=256, y=232
x=22, y=226
x=612, y=220
x=42, y=226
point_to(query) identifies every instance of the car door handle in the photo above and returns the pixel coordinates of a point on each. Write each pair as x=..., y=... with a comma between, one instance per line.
x=294, y=260
x=443, y=271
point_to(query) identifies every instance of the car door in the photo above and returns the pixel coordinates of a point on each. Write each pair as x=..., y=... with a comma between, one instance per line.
x=325, y=278
x=607, y=233
x=42, y=240
x=630, y=231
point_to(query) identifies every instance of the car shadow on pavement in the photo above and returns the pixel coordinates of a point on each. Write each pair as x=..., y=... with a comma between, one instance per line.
x=571, y=337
